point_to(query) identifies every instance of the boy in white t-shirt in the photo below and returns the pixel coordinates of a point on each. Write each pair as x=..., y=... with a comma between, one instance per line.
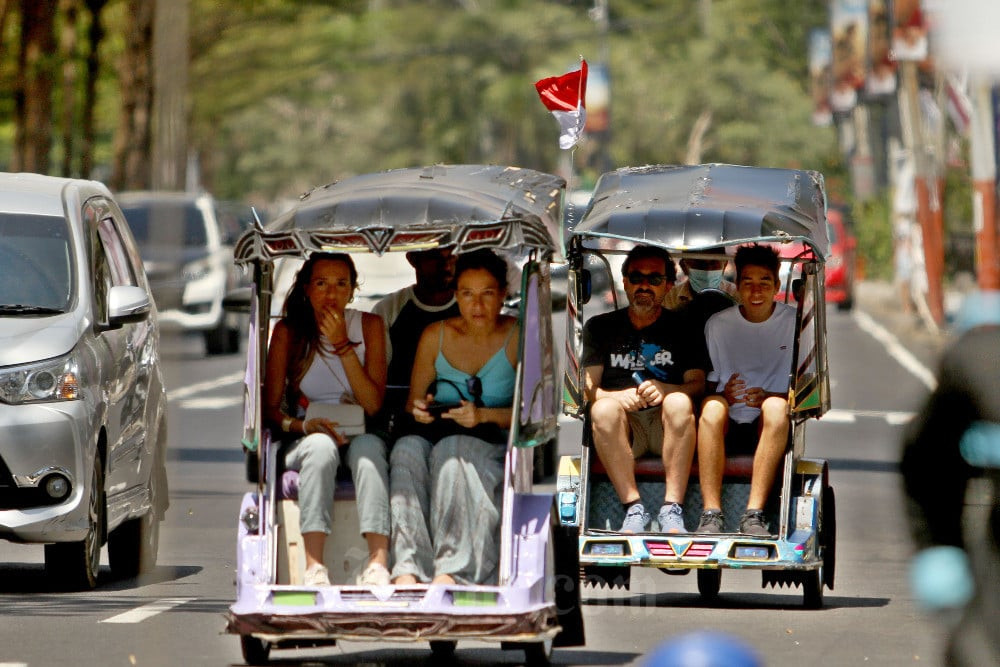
x=751, y=352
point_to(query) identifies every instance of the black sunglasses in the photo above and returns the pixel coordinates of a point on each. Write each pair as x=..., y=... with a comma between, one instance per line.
x=474, y=385
x=654, y=279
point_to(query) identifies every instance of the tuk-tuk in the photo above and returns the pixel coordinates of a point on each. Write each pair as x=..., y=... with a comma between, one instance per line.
x=517, y=213
x=705, y=212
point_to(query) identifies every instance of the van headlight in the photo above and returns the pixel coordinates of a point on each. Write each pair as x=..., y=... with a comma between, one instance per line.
x=51, y=380
x=196, y=270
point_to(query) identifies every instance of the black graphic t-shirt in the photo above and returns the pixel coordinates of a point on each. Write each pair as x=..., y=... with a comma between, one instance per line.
x=664, y=351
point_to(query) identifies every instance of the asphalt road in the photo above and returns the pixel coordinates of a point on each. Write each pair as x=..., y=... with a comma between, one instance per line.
x=174, y=617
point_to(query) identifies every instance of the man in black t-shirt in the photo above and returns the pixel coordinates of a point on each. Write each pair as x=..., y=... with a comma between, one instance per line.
x=406, y=313
x=643, y=368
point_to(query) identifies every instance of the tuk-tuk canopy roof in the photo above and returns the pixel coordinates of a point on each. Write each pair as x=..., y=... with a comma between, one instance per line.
x=464, y=206
x=689, y=208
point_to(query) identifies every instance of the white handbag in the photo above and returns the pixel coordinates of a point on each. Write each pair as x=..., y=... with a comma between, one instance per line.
x=349, y=417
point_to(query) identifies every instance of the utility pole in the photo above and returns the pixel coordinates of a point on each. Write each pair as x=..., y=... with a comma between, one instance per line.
x=984, y=172
x=930, y=216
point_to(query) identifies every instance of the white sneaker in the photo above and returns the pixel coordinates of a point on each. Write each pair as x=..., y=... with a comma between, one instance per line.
x=316, y=575
x=374, y=575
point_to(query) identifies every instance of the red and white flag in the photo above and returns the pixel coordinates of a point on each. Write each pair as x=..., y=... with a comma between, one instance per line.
x=565, y=97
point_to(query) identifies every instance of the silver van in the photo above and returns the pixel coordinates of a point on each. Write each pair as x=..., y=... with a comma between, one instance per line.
x=189, y=263
x=82, y=402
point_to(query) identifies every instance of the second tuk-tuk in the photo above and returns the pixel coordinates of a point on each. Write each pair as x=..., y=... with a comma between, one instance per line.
x=515, y=212
x=705, y=212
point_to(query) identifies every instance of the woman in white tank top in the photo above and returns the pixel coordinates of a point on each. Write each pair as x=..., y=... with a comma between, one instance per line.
x=323, y=352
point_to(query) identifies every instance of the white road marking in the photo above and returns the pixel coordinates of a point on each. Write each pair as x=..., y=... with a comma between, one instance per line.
x=210, y=403
x=191, y=389
x=841, y=416
x=13, y=664
x=140, y=614
x=895, y=348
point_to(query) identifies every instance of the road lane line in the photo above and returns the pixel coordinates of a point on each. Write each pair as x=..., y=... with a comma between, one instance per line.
x=140, y=614
x=191, y=389
x=895, y=348
x=210, y=403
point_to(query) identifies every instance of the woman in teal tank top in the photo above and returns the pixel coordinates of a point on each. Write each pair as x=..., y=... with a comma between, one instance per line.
x=446, y=496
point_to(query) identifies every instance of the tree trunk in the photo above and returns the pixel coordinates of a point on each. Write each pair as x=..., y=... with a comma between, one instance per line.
x=170, y=85
x=133, y=138
x=95, y=34
x=33, y=98
x=68, y=53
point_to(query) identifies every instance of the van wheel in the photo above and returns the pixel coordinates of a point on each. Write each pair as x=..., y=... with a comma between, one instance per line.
x=75, y=565
x=222, y=339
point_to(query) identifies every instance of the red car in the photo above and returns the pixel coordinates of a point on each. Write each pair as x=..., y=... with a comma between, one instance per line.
x=839, y=265
x=842, y=260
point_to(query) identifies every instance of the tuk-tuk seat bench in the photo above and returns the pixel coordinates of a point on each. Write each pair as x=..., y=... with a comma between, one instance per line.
x=737, y=467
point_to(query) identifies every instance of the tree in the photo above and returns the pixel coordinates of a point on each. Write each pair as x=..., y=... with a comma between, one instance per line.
x=133, y=139
x=32, y=98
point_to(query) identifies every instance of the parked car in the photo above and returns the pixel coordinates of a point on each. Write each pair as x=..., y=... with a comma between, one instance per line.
x=189, y=261
x=841, y=264
x=82, y=402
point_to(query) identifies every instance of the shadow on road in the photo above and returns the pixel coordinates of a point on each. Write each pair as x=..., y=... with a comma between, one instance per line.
x=31, y=578
x=765, y=600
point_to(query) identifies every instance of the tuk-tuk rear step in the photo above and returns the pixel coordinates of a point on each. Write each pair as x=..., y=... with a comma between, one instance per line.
x=395, y=625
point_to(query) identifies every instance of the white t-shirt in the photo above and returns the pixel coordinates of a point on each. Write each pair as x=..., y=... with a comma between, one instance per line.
x=761, y=352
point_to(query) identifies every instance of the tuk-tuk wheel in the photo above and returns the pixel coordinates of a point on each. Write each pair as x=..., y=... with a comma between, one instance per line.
x=443, y=648
x=538, y=653
x=812, y=589
x=709, y=582
x=255, y=651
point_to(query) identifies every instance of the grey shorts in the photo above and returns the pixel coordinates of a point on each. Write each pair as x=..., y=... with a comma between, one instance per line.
x=647, y=431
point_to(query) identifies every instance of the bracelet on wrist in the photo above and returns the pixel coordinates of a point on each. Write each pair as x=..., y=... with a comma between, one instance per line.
x=286, y=424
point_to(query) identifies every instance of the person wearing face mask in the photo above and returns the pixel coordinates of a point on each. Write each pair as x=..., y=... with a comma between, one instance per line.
x=701, y=274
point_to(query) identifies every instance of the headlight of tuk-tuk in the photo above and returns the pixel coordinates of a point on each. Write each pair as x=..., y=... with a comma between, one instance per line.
x=51, y=380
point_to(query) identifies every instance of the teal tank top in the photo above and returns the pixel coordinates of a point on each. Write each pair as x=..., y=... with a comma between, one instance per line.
x=497, y=376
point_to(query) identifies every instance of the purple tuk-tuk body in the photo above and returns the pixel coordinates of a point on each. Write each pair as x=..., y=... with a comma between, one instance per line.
x=516, y=212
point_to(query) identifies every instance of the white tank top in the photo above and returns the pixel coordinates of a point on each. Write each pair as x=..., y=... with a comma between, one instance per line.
x=326, y=381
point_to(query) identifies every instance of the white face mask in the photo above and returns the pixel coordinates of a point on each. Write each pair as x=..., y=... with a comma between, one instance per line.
x=701, y=279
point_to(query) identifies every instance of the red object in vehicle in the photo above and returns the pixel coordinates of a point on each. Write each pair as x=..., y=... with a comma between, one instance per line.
x=841, y=263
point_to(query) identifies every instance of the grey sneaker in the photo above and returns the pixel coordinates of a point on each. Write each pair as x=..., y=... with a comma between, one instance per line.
x=753, y=523
x=636, y=520
x=671, y=519
x=711, y=522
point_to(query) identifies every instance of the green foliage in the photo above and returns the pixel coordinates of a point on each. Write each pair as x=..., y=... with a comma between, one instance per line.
x=289, y=94
x=873, y=229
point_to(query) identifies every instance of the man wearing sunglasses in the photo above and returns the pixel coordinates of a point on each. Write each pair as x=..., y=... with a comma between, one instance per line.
x=644, y=366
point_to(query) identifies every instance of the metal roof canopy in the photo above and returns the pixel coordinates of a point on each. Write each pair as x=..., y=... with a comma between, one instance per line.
x=406, y=209
x=690, y=208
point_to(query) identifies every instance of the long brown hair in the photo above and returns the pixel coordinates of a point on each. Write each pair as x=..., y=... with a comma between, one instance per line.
x=301, y=321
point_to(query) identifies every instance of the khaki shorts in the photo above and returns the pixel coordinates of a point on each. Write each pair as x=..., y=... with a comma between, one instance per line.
x=647, y=431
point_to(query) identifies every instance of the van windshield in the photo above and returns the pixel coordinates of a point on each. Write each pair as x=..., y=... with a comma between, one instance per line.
x=166, y=223
x=37, y=260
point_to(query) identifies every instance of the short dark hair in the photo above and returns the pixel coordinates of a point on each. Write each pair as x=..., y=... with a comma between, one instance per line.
x=651, y=252
x=483, y=259
x=756, y=254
